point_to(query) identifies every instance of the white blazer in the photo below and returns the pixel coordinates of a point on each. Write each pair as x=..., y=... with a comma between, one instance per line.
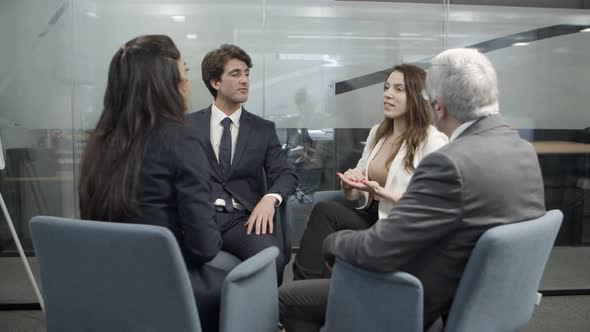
x=398, y=177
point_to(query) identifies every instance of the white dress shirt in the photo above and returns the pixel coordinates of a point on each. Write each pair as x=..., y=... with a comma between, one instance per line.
x=216, y=131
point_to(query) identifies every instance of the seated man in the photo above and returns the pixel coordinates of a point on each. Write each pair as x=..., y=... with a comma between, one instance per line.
x=245, y=158
x=486, y=176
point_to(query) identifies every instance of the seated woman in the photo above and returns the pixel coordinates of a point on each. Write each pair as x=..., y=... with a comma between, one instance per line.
x=393, y=150
x=144, y=163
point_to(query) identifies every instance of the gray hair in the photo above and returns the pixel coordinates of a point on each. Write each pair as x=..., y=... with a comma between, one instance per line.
x=466, y=83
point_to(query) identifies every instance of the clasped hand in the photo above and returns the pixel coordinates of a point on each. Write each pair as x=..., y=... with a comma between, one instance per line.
x=355, y=179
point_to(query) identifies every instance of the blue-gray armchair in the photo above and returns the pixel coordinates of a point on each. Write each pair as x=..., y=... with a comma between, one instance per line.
x=102, y=276
x=497, y=291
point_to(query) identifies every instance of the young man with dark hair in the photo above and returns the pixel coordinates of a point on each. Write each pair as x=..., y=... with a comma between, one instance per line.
x=249, y=174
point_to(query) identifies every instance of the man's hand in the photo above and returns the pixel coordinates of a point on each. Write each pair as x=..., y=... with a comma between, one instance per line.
x=262, y=216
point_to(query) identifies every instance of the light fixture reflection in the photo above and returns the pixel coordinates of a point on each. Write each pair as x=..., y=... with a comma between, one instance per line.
x=520, y=44
x=191, y=36
x=331, y=61
x=359, y=38
x=92, y=14
x=178, y=18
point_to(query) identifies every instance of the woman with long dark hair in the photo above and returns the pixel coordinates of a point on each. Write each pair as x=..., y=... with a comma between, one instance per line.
x=393, y=150
x=144, y=162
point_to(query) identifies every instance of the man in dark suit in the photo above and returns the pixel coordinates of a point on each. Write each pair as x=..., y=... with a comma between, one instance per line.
x=249, y=175
x=486, y=176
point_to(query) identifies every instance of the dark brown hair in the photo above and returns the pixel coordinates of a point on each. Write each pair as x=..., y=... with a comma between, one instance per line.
x=142, y=91
x=215, y=60
x=418, y=116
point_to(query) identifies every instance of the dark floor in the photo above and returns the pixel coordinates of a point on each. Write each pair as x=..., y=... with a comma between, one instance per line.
x=555, y=314
x=561, y=314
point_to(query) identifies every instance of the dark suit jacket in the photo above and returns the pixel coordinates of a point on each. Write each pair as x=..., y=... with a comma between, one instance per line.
x=259, y=166
x=175, y=193
x=488, y=176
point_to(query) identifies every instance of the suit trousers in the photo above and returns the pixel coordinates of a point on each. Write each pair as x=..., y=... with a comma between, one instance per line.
x=238, y=243
x=327, y=218
x=302, y=304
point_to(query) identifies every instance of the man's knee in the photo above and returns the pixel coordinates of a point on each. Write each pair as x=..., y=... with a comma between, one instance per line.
x=287, y=298
x=281, y=261
x=303, y=302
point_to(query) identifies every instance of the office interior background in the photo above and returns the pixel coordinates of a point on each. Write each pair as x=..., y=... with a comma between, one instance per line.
x=319, y=68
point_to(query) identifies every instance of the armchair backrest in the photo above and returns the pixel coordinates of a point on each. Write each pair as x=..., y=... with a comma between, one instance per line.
x=498, y=288
x=249, y=297
x=361, y=300
x=282, y=227
x=102, y=276
x=283, y=231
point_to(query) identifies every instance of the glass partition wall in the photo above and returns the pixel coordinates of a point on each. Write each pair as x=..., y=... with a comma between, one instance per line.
x=319, y=66
x=37, y=75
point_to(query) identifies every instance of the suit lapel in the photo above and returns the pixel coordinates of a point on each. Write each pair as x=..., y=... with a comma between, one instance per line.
x=205, y=126
x=242, y=140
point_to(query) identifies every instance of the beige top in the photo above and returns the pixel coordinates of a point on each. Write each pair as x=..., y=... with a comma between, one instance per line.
x=398, y=178
x=378, y=170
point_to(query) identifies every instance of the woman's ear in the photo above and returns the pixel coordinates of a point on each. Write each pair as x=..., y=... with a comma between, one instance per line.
x=183, y=87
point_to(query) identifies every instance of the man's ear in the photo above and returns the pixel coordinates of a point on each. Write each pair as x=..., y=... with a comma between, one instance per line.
x=214, y=84
x=440, y=109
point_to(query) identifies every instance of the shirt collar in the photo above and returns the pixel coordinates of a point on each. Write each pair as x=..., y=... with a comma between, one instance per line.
x=461, y=129
x=217, y=115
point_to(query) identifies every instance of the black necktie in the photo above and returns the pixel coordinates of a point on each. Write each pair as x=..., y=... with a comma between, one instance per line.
x=225, y=159
x=225, y=147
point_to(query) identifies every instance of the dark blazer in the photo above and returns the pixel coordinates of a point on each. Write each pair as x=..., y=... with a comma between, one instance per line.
x=488, y=176
x=175, y=193
x=259, y=166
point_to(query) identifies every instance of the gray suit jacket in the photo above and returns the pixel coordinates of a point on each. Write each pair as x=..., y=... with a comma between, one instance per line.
x=488, y=176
